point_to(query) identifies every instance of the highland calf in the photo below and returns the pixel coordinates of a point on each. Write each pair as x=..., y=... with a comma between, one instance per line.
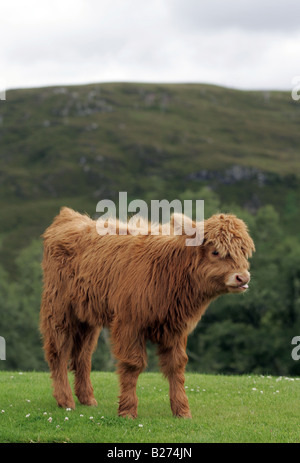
x=142, y=288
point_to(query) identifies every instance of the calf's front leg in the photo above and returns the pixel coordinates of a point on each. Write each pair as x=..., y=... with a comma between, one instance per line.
x=130, y=350
x=173, y=360
x=128, y=400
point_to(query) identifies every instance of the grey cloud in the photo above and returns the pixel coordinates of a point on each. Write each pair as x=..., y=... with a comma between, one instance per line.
x=235, y=43
x=275, y=15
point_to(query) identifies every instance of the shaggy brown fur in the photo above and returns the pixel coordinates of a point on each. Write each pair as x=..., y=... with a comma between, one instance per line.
x=141, y=287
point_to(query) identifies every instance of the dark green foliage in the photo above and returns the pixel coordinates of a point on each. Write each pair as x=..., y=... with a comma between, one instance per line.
x=238, y=334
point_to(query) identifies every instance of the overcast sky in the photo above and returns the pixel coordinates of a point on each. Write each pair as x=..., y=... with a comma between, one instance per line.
x=237, y=43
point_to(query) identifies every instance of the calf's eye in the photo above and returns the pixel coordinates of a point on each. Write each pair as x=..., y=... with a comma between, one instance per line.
x=215, y=253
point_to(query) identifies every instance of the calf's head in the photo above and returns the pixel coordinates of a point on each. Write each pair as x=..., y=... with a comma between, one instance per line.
x=221, y=261
x=226, y=249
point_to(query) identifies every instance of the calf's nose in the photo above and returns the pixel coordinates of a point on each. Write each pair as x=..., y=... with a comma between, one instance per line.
x=242, y=278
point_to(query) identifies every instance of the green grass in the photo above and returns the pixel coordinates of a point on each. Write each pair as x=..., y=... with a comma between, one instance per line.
x=224, y=409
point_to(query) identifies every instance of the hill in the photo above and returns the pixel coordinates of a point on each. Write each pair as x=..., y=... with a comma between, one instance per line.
x=76, y=145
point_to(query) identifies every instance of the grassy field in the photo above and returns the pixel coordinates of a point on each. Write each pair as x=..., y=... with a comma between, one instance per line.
x=224, y=408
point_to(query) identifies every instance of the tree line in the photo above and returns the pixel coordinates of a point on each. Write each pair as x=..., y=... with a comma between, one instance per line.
x=239, y=334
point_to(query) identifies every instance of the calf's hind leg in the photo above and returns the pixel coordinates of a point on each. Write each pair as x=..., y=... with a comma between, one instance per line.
x=58, y=345
x=84, y=342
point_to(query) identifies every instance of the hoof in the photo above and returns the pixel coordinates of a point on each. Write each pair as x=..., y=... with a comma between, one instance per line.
x=91, y=402
x=128, y=414
x=66, y=404
x=187, y=415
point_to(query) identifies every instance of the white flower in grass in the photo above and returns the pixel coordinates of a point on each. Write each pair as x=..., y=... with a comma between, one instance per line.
x=91, y=417
x=28, y=415
x=50, y=419
x=57, y=426
x=68, y=409
x=254, y=389
x=141, y=425
x=66, y=418
x=2, y=411
x=81, y=416
x=27, y=400
x=45, y=413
